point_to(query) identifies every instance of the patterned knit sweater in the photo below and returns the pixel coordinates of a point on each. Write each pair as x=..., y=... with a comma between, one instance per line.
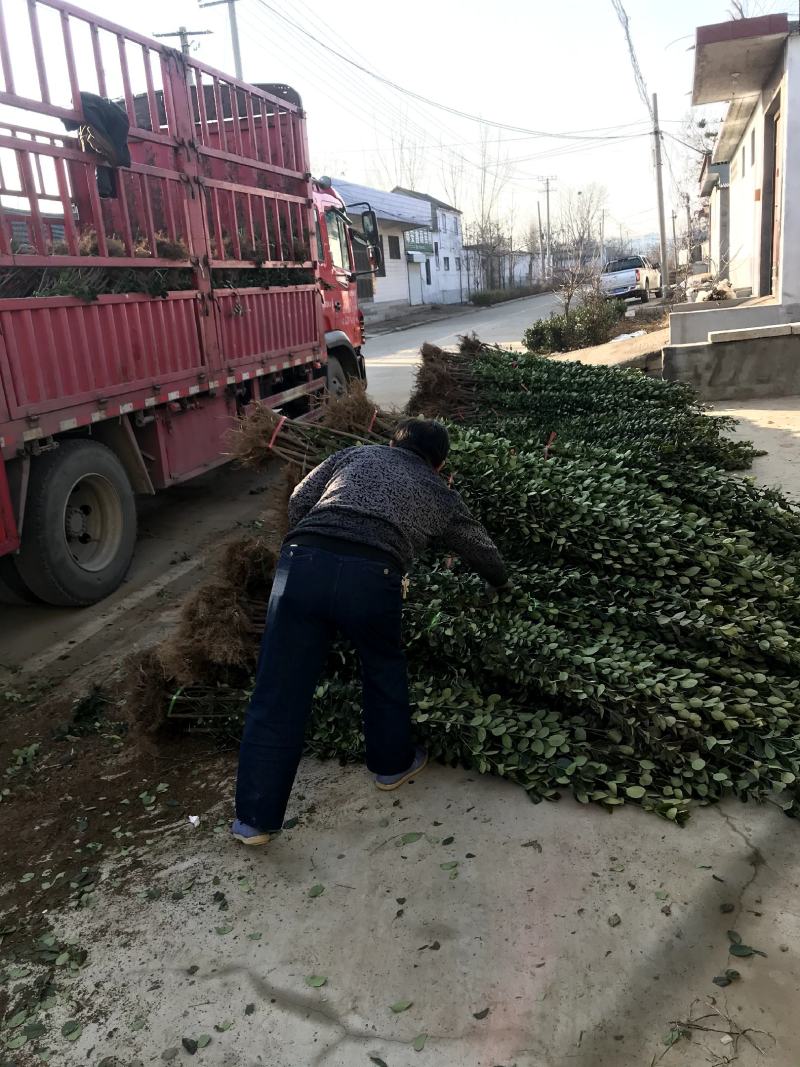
x=392, y=500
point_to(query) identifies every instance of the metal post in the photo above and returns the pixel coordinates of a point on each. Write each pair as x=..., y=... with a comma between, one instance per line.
x=675, y=244
x=237, y=54
x=662, y=225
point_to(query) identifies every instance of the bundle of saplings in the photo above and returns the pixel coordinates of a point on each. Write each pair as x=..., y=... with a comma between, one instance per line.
x=648, y=649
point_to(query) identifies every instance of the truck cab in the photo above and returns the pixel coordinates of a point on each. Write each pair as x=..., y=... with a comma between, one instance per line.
x=343, y=320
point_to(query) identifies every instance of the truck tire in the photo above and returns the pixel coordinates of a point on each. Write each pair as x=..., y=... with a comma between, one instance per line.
x=80, y=525
x=337, y=379
x=645, y=297
x=12, y=588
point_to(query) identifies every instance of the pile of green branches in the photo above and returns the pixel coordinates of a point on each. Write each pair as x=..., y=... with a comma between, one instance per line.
x=648, y=649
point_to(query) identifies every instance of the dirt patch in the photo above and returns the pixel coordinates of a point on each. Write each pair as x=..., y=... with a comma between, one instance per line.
x=89, y=775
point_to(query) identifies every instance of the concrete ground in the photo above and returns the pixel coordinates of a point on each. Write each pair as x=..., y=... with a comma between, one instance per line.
x=774, y=427
x=392, y=358
x=537, y=936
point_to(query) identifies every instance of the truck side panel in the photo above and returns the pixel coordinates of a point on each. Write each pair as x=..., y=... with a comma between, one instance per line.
x=259, y=325
x=59, y=352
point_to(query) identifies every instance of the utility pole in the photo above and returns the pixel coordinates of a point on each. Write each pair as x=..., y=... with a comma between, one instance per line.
x=184, y=35
x=237, y=55
x=541, y=238
x=603, y=239
x=547, y=179
x=675, y=243
x=662, y=225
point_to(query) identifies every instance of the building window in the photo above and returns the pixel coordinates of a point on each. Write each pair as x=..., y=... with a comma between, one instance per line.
x=428, y=271
x=394, y=247
x=455, y=224
x=744, y=159
x=436, y=253
x=752, y=148
x=458, y=263
x=444, y=222
x=447, y=263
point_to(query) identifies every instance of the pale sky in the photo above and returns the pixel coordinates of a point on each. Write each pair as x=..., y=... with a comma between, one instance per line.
x=540, y=65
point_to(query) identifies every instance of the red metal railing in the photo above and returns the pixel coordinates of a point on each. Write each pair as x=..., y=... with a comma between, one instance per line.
x=219, y=168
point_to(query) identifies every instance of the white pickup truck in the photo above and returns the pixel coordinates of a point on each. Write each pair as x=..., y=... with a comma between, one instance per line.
x=630, y=276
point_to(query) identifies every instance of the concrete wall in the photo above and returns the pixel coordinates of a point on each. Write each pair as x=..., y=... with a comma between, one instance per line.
x=737, y=370
x=394, y=286
x=448, y=284
x=698, y=320
x=790, y=240
x=745, y=204
x=719, y=231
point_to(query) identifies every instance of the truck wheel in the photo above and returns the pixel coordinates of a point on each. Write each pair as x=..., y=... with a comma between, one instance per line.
x=80, y=525
x=645, y=297
x=12, y=588
x=337, y=379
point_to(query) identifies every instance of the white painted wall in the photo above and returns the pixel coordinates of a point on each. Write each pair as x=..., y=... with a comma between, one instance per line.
x=714, y=232
x=448, y=282
x=790, y=239
x=394, y=287
x=745, y=210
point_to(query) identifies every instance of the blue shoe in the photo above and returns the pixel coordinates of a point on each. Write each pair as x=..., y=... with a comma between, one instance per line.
x=392, y=781
x=248, y=835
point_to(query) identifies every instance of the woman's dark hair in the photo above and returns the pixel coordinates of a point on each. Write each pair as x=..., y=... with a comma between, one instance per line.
x=424, y=437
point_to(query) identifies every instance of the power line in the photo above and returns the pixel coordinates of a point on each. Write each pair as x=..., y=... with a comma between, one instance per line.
x=424, y=99
x=638, y=77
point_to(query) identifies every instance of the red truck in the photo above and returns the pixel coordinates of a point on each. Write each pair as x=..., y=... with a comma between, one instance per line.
x=165, y=259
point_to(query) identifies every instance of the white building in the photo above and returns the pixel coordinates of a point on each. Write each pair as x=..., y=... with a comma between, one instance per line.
x=754, y=171
x=442, y=274
x=397, y=284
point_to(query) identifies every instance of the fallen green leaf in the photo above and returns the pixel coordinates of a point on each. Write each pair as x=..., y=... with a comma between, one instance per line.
x=203, y=1040
x=316, y=981
x=409, y=839
x=255, y=936
x=401, y=1005
x=72, y=1030
x=316, y=890
x=480, y=1014
x=449, y=866
x=419, y=1042
x=222, y=930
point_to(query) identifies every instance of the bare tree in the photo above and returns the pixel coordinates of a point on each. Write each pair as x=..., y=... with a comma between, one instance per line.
x=405, y=161
x=452, y=178
x=485, y=230
x=532, y=243
x=579, y=231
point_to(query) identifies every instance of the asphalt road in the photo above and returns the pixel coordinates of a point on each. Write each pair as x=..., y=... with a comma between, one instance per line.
x=393, y=357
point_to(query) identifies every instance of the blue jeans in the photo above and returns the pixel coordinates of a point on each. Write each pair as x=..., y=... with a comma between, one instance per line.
x=315, y=595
